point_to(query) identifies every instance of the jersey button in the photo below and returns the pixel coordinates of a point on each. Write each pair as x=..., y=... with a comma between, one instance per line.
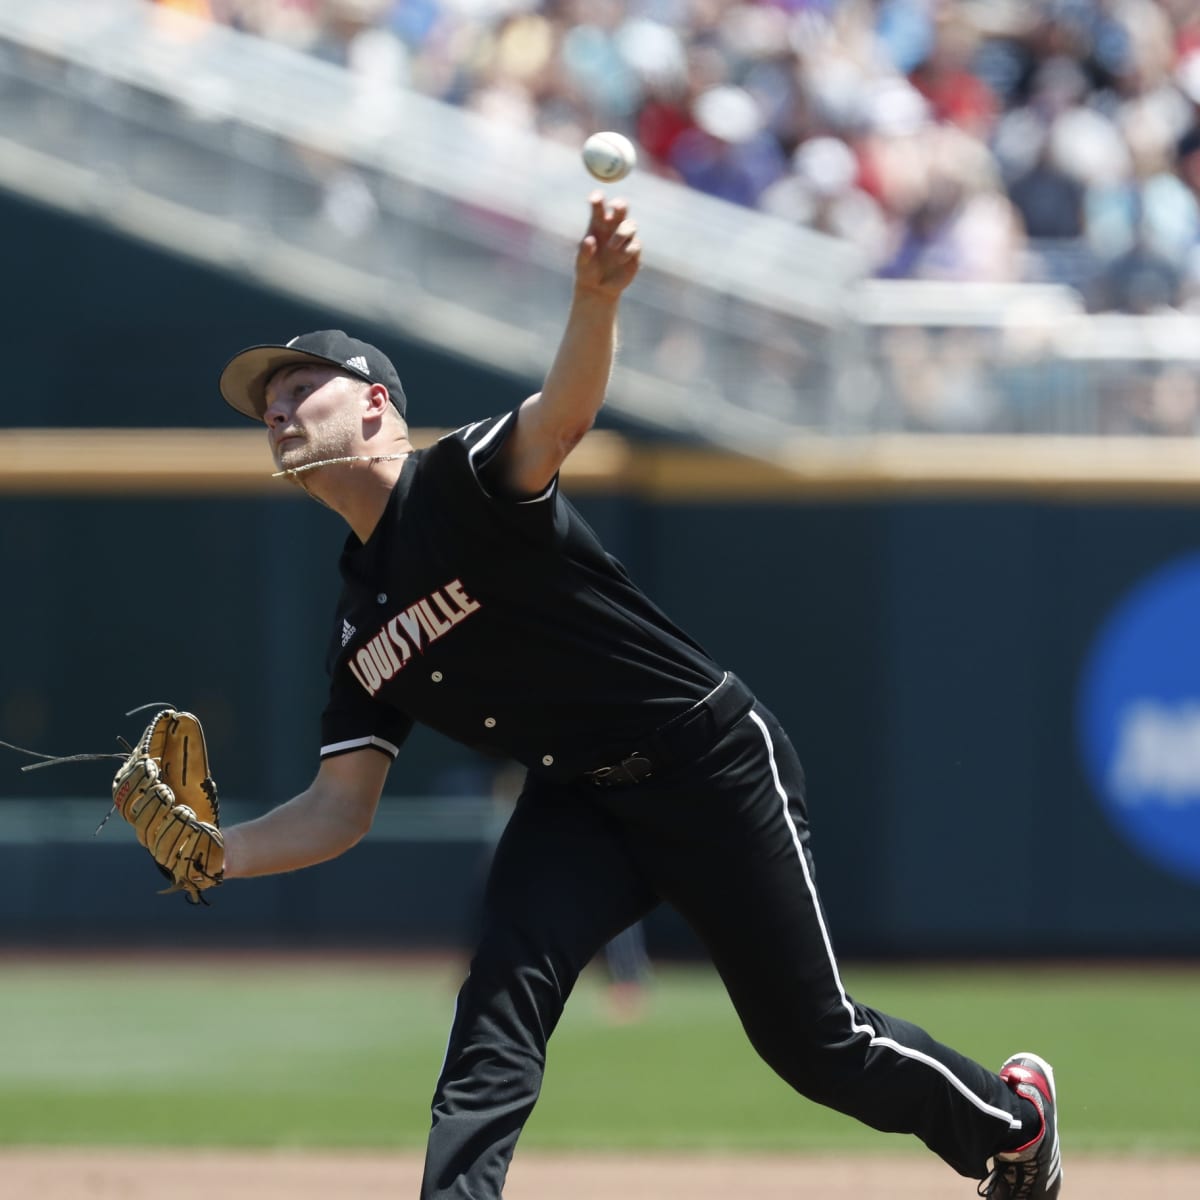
x=436, y=677
x=490, y=722
x=381, y=598
x=547, y=760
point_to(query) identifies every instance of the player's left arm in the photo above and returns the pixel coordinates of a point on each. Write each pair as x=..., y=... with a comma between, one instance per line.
x=332, y=814
x=551, y=423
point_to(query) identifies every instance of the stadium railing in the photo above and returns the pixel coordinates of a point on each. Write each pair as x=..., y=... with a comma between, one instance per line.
x=743, y=328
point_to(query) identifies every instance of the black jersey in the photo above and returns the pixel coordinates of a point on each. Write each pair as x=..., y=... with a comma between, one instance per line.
x=501, y=623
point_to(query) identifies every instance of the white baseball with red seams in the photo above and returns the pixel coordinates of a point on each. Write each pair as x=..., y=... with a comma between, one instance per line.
x=609, y=156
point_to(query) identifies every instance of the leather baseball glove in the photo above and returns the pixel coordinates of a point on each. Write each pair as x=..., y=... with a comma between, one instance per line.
x=165, y=791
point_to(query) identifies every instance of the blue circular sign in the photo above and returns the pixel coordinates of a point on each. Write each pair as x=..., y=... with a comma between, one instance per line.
x=1139, y=717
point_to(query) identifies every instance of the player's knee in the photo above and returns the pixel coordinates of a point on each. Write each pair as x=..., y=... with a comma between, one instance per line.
x=813, y=1064
x=532, y=977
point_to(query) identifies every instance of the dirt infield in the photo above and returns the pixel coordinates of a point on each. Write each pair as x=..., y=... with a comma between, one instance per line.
x=75, y=1174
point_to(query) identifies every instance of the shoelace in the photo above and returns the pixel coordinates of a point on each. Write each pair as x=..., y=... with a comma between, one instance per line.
x=1019, y=1177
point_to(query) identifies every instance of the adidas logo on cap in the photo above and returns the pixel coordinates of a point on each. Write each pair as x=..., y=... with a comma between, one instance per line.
x=358, y=363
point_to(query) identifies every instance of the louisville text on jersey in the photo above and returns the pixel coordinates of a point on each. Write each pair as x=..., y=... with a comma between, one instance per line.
x=416, y=627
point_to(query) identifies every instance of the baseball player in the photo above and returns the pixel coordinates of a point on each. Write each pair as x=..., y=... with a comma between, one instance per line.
x=477, y=601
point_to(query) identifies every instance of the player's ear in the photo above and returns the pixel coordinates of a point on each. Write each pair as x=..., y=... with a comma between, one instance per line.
x=377, y=400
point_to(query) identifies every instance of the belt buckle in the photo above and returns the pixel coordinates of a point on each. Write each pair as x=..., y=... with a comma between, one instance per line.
x=633, y=768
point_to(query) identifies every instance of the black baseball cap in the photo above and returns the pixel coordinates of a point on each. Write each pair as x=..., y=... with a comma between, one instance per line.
x=244, y=378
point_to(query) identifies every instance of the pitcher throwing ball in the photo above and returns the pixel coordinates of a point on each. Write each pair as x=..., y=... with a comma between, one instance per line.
x=475, y=600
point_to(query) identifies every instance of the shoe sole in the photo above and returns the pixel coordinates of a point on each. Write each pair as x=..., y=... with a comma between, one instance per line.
x=1048, y=1071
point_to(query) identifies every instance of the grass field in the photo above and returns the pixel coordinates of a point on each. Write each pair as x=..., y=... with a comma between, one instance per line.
x=343, y=1053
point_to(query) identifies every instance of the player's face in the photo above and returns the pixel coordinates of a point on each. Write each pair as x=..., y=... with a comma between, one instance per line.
x=312, y=414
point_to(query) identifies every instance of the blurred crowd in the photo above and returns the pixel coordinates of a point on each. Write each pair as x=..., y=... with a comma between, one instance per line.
x=994, y=140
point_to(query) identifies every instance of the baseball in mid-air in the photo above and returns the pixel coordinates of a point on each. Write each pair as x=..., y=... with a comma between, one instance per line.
x=609, y=156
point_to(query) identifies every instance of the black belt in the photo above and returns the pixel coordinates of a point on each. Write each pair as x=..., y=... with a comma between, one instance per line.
x=681, y=739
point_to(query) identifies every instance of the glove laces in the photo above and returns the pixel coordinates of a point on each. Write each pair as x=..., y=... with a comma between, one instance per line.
x=54, y=760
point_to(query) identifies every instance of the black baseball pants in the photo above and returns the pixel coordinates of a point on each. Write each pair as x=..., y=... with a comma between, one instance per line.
x=725, y=841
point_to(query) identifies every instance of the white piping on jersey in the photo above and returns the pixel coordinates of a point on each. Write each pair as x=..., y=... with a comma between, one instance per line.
x=355, y=743
x=486, y=440
x=856, y=1026
x=467, y=430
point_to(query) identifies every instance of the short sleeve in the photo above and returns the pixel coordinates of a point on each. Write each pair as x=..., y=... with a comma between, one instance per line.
x=476, y=448
x=482, y=441
x=354, y=721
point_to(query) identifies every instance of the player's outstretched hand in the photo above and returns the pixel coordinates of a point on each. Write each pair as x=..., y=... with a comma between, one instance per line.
x=610, y=252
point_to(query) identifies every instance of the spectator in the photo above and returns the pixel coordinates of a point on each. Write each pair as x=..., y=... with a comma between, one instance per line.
x=1071, y=110
x=728, y=153
x=954, y=93
x=1140, y=280
x=1048, y=198
x=822, y=192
